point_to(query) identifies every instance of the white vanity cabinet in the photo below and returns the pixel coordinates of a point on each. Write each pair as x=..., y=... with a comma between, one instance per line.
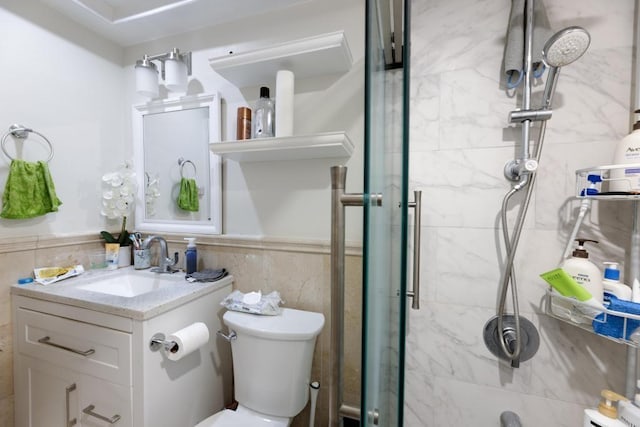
x=69, y=370
x=77, y=363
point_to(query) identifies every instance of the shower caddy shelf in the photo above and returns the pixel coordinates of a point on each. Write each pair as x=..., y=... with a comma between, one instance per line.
x=576, y=313
x=326, y=55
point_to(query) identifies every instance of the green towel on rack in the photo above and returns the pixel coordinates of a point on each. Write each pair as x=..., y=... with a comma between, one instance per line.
x=188, y=197
x=29, y=191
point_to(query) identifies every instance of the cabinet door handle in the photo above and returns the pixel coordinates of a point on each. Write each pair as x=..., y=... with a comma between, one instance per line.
x=47, y=340
x=417, y=224
x=68, y=390
x=89, y=411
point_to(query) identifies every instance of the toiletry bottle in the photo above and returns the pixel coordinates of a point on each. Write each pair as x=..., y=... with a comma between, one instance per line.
x=264, y=115
x=243, y=123
x=627, y=179
x=566, y=286
x=191, y=255
x=611, y=282
x=583, y=271
x=629, y=413
x=606, y=415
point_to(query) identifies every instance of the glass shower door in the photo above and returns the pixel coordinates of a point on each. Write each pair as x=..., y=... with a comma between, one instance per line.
x=385, y=226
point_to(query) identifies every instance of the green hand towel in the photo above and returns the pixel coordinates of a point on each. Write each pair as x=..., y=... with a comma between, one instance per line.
x=188, y=197
x=29, y=191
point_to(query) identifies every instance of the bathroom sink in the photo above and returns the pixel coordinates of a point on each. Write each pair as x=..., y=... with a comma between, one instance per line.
x=130, y=284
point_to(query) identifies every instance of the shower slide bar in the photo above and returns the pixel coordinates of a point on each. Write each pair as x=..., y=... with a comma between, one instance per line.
x=339, y=200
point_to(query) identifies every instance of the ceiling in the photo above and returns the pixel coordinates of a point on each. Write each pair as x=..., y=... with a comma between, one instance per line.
x=128, y=22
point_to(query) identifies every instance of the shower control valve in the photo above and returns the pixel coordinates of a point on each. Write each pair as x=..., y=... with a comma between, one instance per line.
x=515, y=169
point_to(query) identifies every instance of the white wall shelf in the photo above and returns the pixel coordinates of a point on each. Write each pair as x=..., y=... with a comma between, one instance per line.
x=325, y=54
x=318, y=146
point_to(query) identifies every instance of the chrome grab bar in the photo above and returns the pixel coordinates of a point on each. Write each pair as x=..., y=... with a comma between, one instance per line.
x=417, y=224
x=47, y=340
x=89, y=411
x=68, y=390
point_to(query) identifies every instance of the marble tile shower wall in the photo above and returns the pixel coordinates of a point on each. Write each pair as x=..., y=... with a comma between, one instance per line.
x=460, y=141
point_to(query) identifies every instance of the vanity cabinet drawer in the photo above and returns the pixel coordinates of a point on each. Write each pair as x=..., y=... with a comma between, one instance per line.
x=94, y=350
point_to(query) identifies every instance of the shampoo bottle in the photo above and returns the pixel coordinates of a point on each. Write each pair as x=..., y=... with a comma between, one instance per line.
x=191, y=255
x=584, y=272
x=611, y=282
x=606, y=415
x=263, y=121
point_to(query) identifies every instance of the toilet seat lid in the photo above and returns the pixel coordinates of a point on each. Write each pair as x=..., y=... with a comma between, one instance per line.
x=242, y=417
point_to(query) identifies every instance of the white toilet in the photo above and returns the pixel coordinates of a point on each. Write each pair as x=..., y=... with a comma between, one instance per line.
x=271, y=367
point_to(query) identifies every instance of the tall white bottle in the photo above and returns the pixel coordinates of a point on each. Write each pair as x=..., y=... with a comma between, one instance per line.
x=611, y=282
x=627, y=179
x=583, y=271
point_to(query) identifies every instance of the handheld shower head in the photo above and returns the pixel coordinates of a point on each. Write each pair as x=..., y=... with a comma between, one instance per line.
x=566, y=46
x=563, y=48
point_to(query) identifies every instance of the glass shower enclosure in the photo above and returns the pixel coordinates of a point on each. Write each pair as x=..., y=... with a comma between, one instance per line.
x=385, y=226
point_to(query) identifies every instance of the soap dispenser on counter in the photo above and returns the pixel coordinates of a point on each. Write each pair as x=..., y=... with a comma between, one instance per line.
x=583, y=271
x=191, y=256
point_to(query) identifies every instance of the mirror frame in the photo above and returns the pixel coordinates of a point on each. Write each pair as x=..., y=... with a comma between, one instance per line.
x=212, y=226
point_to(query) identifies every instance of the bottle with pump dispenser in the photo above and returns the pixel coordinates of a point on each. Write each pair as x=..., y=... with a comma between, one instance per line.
x=611, y=282
x=607, y=414
x=628, y=412
x=263, y=121
x=191, y=256
x=583, y=271
x=627, y=179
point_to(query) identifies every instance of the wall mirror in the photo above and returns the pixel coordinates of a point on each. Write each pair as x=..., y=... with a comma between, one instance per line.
x=179, y=179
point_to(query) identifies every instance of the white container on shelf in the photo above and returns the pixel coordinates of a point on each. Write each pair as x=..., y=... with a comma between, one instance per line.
x=611, y=282
x=584, y=272
x=627, y=152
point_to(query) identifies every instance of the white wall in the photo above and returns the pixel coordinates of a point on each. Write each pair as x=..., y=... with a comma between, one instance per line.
x=280, y=199
x=460, y=141
x=72, y=86
x=65, y=83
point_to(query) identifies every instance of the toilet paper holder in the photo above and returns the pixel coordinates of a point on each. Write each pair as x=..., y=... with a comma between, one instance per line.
x=158, y=341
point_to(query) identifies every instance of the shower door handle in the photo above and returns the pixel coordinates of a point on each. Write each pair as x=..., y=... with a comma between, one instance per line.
x=417, y=224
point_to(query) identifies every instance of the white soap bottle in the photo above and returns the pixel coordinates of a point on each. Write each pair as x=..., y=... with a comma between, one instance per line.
x=583, y=271
x=629, y=413
x=627, y=179
x=606, y=415
x=611, y=282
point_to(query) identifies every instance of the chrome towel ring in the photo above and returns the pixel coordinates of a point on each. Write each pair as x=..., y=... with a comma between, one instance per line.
x=22, y=132
x=182, y=162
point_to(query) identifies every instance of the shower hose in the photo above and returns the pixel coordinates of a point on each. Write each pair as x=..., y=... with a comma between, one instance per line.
x=511, y=245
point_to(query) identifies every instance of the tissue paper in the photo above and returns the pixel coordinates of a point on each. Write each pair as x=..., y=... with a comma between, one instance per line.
x=284, y=103
x=188, y=340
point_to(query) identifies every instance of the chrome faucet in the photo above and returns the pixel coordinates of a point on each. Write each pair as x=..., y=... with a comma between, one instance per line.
x=166, y=264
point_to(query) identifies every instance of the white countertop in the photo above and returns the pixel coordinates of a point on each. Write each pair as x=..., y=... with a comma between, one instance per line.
x=140, y=307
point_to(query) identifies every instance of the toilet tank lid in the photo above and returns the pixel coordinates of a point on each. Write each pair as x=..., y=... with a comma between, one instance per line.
x=289, y=326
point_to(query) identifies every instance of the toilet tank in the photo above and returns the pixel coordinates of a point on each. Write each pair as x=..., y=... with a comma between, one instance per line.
x=272, y=358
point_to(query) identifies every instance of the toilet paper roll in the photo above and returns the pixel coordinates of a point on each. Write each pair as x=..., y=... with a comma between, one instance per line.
x=284, y=102
x=188, y=340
